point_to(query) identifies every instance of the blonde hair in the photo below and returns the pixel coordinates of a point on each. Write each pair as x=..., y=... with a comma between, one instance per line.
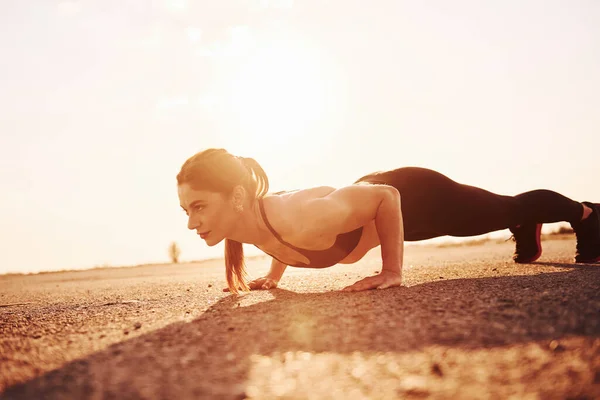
x=217, y=170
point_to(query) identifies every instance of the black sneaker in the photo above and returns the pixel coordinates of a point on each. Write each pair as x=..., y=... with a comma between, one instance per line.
x=588, y=237
x=528, y=243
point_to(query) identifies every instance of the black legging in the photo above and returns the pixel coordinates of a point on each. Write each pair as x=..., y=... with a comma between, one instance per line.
x=434, y=205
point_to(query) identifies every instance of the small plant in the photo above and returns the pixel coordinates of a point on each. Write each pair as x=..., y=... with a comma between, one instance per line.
x=174, y=253
x=564, y=230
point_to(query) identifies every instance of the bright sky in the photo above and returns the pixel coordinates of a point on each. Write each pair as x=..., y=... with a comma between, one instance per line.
x=101, y=103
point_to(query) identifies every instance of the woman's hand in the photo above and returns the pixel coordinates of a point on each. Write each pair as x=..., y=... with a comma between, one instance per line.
x=264, y=283
x=384, y=280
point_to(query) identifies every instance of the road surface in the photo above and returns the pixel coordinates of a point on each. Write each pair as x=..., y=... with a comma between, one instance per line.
x=468, y=323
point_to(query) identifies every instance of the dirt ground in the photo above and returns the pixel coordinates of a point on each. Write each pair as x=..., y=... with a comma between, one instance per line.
x=468, y=324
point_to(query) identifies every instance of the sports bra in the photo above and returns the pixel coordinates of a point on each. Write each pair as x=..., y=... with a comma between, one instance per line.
x=344, y=244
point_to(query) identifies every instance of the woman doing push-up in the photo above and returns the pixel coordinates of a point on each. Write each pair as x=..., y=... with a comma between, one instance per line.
x=226, y=198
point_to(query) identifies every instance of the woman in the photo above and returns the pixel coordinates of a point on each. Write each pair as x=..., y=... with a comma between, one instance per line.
x=225, y=197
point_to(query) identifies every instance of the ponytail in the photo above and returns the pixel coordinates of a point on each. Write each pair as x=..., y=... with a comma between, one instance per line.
x=235, y=269
x=258, y=177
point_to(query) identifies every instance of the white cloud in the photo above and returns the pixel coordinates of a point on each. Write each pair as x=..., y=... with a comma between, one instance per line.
x=240, y=43
x=68, y=8
x=276, y=3
x=176, y=5
x=208, y=102
x=169, y=103
x=194, y=34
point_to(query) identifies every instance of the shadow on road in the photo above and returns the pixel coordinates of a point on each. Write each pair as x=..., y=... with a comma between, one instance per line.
x=212, y=355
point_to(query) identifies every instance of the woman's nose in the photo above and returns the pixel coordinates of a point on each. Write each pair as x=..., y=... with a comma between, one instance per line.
x=192, y=224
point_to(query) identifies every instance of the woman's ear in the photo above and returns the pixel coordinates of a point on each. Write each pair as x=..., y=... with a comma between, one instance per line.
x=238, y=196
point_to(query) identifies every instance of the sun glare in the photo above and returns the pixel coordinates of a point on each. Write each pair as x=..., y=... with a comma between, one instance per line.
x=278, y=95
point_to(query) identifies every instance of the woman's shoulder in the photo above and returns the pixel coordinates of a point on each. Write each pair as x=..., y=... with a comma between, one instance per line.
x=298, y=197
x=303, y=194
x=285, y=209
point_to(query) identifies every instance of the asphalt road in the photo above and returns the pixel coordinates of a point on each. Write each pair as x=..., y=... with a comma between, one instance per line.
x=468, y=323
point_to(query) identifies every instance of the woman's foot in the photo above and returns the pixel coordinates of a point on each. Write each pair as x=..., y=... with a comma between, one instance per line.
x=588, y=235
x=528, y=243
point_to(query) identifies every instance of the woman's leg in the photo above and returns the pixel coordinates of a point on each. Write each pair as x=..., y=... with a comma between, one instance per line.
x=435, y=205
x=546, y=206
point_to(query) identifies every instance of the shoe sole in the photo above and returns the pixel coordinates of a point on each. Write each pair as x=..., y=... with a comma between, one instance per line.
x=538, y=238
x=592, y=260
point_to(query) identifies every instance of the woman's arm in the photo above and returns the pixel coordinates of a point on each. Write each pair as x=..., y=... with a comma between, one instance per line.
x=277, y=270
x=390, y=229
x=350, y=207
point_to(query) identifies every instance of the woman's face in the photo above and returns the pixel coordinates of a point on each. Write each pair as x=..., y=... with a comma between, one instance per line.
x=210, y=214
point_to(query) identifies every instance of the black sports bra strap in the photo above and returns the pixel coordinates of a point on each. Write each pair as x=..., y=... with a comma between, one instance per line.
x=264, y=215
